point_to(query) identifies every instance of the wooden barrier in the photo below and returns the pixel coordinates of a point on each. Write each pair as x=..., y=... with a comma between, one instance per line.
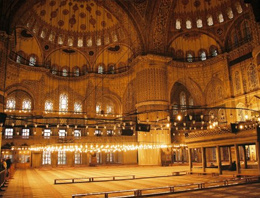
x=110, y=178
x=93, y=179
x=2, y=179
x=204, y=173
x=173, y=189
x=177, y=173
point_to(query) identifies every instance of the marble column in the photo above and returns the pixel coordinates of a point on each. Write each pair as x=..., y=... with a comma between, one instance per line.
x=237, y=159
x=257, y=147
x=203, y=159
x=152, y=97
x=219, y=160
x=190, y=159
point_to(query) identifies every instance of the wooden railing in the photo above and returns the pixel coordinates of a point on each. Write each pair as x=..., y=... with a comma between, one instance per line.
x=111, y=178
x=172, y=189
x=93, y=179
x=2, y=178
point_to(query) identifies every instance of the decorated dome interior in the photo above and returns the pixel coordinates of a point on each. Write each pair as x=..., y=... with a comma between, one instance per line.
x=85, y=34
x=75, y=16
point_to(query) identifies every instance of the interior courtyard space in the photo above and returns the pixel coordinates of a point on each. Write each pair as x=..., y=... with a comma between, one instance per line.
x=40, y=182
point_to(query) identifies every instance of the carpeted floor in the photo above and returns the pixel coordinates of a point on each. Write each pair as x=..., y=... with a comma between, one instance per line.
x=39, y=183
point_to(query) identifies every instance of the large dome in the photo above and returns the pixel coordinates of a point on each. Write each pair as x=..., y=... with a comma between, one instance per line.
x=74, y=16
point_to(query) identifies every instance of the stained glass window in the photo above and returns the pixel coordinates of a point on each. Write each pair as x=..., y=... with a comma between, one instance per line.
x=77, y=107
x=100, y=69
x=210, y=20
x=10, y=103
x=230, y=13
x=80, y=42
x=220, y=18
x=48, y=106
x=32, y=61
x=178, y=24
x=63, y=103
x=199, y=23
x=89, y=42
x=188, y=24
x=26, y=105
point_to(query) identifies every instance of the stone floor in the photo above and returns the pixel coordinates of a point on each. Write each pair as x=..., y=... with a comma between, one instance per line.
x=39, y=183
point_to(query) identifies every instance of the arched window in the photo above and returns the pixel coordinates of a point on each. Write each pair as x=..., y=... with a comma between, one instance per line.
x=76, y=71
x=179, y=55
x=32, y=60
x=80, y=42
x=191, y=101
x=237, y=81
x=183, y=101
x=258, y=59
x=10, y=104
x=70, y=41
x=210, y=20
x=240, y=112
x=100, y=69
x=110, y=109
x=98, y=42
x=189, y=57
x=246, y=30
x=230, y=13
x=89, y=42
x=106, y=40
x=98, y=108
x=26, y=105
x=178, y=24
x=238, y=8
x=48, y=106
x=213, y=51
x=18, y=58
x=252, y=76
x=114, y=37
x=54, y=70
x=77, y=133
x=77, y=107
x=65, y=72
x=43, y=33
x=211, y=116
x=60, y=40
x=222, y=115
x=63, y=106
x=203, y=55
x=84, y=69
x=235, y=40
x=188, y=24
x=111, y=69
x=220, y=18
x=199, y=23
x=52, y=37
